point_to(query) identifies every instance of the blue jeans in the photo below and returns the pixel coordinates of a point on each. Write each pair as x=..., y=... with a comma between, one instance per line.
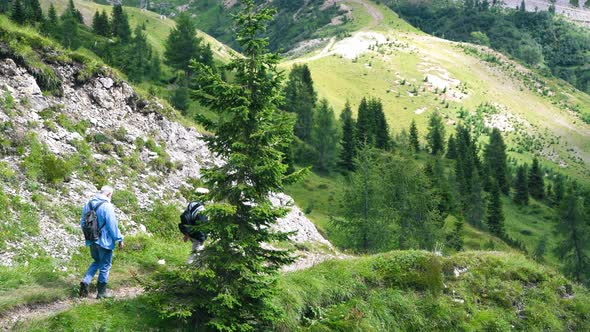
x=102, y=263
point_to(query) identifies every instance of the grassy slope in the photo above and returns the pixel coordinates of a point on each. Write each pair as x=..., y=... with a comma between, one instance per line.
x=414, y=55
x=156, y=29
x=396, y=291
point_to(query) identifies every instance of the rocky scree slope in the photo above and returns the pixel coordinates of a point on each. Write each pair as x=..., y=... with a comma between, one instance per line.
x=56, y=149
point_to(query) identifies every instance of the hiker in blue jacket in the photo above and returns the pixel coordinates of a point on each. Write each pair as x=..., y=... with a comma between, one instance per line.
x=101, y=250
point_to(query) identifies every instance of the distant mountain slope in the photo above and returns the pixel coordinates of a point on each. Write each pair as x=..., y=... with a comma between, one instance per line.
x=415, y=74
x=157, y=27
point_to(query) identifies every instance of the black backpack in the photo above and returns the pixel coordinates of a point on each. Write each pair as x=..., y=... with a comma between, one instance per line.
x=90, y=228
x=191, y=217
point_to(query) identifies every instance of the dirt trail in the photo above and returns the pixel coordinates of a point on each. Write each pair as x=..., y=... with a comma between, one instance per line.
x=374, y=12
x=24, y=313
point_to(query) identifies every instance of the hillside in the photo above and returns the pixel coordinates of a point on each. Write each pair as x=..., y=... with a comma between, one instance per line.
x=409, y=71
x=69, y=124
x=157, y=27
x=579, y=14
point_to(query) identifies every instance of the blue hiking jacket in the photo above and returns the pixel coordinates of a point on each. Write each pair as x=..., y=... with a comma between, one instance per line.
x=107, y=220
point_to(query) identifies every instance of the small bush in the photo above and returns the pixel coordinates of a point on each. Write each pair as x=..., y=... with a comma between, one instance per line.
x=162, y=220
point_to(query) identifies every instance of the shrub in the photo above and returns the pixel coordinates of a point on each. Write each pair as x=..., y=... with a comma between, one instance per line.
x=162, y=219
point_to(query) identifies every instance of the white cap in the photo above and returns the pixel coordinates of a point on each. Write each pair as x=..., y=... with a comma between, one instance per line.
x=202, y=191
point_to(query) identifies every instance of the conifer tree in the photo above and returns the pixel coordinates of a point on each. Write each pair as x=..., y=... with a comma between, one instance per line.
x=139, y=64
x=540, y=249
x=232, y=290
x=33, y=11
x=73, y=12
x=414, y=141
x=364, y=127
x=50, y=26
x=183, y=45
x=120, y=25
x=536, y=183
x=558, y=190
x=325, y=137
x=451, y=148
x=574, y=248
x=495, y=216
x=495, y=160
x=521, y=190
x=455, y=238
x=301, y=98
x=347, y=143
x=69, y=31
x=436, y=134
x=4, y=6
x=381, y=128
x=18, y=12
x=100, y=24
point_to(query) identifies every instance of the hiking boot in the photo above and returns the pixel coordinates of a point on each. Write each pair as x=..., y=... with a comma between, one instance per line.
x=83, y=289
x=102, y=291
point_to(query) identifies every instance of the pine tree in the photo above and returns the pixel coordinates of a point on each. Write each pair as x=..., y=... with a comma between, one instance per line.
x=535, y=182
x=18, y=12
x=120, y=25
x=521, y=190
x=495, y=216
x=364, y=126
x=233, y=289
x=33, y=11
x=522, y=6
x=301, y=98
x=381, y=128
x=347, y=143
x=69, y=31
x=558, y=190
x=436, y=134
x=50, y=26
x=455, y=238
x=100, y=24
x=451, y=148
x=4, y=6
x=573, y=249
x=495, y=160
x=325, y=137
x=540, y=249
x=139, y=64
x=183, y=45
x=414, y=141
x=73, y=12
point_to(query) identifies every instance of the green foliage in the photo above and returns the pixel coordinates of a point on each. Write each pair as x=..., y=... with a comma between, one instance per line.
x=371, y=126
x=183, y=45
x=162, y=219
x=301, y=98
x=436, y=134
x=232, y=291
x=325, y=137
x=495, y=216
x=414, y=140
x=100, y=24
x=521, y=189
x=347, y=143
x=495, y=160
x=536, y=184
x=120, y=24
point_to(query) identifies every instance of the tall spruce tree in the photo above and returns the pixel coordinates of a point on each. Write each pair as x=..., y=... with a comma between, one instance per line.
x=558, y=190
x=436, y=134
x=455, y=238
x=535, y=182
x=521, y=189
x=70, y=36
x=414, y=140
x=120, y=25
x=573, y=250
x=495, y=215
x=381, y=128
x=18, y=13
x=540, y=249
x=301, y=99
x=183, y=45
x=100, y=24
x=325, y=137
x=138, y=67
x=33, y=11
x=495, y=160
x=50, y=26
x=364, y=124
x=348, y=146
x=72, y=11
x=451, y=148
x=232, y=290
